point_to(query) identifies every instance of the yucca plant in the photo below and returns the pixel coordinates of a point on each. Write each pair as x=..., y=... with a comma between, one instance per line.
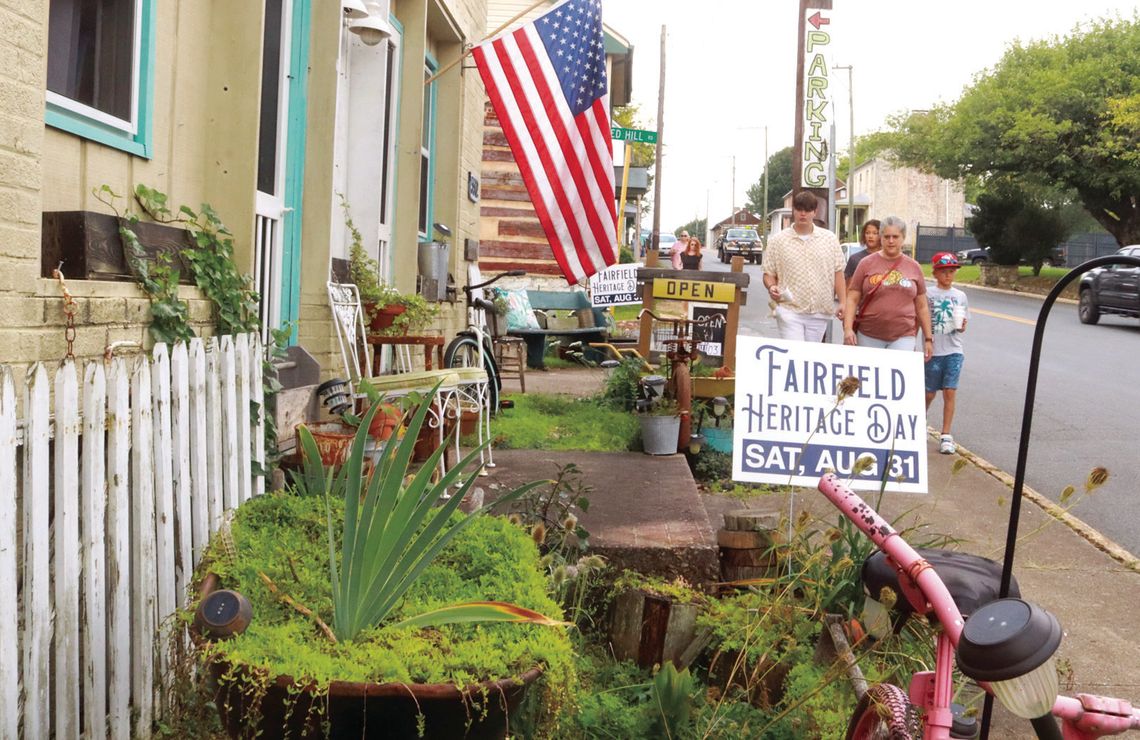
x=393, y=529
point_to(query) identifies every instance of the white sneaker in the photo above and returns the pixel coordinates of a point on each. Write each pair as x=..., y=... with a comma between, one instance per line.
x=946, y=445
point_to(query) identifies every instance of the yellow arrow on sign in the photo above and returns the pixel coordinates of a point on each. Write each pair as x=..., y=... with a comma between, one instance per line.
x=694, y=290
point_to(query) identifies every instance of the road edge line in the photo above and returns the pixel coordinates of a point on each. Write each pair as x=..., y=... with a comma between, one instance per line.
x=1082, y=528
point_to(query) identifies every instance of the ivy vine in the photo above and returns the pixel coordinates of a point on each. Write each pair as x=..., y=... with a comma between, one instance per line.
x=211, y=260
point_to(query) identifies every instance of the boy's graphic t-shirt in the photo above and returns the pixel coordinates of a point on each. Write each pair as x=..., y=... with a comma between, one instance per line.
x=947, y=340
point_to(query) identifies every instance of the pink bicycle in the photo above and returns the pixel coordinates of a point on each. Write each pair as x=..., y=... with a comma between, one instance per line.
x=1006, y=645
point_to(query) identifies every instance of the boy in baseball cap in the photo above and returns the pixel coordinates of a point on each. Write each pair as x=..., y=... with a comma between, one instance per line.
x=949, y=314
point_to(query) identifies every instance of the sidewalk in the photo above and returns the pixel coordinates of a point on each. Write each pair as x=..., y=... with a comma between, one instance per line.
x=1093, y=595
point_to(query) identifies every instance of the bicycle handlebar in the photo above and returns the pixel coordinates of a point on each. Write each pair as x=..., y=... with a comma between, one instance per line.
x=509, y=273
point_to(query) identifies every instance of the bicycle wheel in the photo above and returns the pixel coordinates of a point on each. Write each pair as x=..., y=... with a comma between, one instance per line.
x=463, y=351
x=882, y=714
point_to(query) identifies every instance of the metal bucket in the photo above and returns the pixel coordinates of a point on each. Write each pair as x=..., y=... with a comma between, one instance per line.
x=659, y=434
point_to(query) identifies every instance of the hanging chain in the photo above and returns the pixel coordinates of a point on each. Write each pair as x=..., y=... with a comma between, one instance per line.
x=69, y=312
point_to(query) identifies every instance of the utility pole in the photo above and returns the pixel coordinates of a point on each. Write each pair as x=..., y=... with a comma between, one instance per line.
x=660, y=129
x=765, y=214
x=734, y=190
x=851, y=228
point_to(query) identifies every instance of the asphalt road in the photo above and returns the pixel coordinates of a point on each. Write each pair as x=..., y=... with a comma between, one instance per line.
x=1088, y=397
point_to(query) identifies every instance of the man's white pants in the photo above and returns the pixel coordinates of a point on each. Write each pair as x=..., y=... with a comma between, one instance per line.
x=804, y=327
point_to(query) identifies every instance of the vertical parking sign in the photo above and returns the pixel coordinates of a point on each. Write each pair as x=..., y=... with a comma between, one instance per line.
x=791, y=428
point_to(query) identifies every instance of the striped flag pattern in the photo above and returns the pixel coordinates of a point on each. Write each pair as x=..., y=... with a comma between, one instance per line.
x=547, y=83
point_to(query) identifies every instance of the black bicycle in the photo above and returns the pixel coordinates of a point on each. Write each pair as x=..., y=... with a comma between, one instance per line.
x=472, y=347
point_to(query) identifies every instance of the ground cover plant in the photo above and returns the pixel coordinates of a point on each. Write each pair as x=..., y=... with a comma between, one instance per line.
x=548, y=422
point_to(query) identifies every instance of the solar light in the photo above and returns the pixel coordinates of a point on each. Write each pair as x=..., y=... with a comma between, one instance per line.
x=1011, y=644
x=223, y=614
x=696, y=442
x=719, y=407
x=334, y=395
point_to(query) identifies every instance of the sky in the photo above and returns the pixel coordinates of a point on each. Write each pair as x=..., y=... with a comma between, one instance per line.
x=730, y=72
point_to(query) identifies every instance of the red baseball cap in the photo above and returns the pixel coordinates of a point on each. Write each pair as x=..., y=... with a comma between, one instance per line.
x=945, y=259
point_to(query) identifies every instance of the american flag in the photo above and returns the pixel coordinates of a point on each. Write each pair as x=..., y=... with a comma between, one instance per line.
x=547, y=84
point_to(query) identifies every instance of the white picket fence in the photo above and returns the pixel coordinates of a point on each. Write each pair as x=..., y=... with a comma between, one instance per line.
x=112, y=486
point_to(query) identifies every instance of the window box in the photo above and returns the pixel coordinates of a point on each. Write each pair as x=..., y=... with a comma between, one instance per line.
x=90, y=248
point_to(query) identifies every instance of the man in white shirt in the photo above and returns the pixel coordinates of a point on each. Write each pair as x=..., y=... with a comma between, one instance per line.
x=803, y=272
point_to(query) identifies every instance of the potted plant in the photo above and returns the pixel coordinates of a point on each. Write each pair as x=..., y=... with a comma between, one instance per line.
x=497, y=318
x=342, y=574
x=386, y=309
x=660, y=427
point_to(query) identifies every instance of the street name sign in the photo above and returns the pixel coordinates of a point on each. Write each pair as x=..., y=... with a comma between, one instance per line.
x=636, y=135
x=789, y=428
x=678, y=289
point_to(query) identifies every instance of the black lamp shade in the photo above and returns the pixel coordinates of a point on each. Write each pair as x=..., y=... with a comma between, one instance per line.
x=1007, y=638
x=223, y=613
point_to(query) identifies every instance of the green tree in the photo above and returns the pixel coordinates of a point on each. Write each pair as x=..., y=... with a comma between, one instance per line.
x=1017, y=226
x=1061, y=114
x=779, y=167
x=696, y=228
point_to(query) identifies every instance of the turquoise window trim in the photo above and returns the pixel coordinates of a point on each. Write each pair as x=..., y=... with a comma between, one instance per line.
x=432, y=93
x=295, y=165
x=396, y=138
x=141, y=143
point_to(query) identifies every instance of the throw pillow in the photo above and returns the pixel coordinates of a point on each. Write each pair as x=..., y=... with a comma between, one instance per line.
x=520, y=314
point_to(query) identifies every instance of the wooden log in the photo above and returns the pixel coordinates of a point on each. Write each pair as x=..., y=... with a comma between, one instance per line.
x=753, y=557
x=748, y=520
x=654, y=625
x=743, y=540
x=745, y=572
x=649, y=629
x=625, y=626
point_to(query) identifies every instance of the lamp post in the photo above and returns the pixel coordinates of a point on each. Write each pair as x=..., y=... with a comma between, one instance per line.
x=850, y=154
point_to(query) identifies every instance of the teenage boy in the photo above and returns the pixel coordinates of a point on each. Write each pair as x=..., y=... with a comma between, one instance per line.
x=949, y=314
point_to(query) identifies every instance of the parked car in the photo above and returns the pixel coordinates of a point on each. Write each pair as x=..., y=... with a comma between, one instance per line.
x=665, y=244
x=745, y=242
x=851, y=248
x=980, y=255
x=1111, y=290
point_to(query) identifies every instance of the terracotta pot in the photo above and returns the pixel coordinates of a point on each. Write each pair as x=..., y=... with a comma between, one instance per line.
x=386, y=421
x=385, y=316
x=334, y=440
x=359, y=709
x=468, y=421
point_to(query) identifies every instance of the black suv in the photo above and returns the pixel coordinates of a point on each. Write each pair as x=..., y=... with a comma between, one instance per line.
x=745, y=242
x=1111, y=290
x=980, y=255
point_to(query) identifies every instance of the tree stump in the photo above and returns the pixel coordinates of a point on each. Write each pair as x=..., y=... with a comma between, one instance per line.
x=747, y=545
x=649, y=629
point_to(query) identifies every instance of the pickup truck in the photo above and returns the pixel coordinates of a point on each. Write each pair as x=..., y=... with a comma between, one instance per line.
x=1111, y=290
x=745, y=242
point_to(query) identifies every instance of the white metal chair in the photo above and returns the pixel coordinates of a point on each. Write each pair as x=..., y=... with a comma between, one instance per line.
x=356, y=356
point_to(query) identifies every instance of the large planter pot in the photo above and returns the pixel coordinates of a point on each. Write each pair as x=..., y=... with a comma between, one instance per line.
x=281, y=706
x=659, y=434
x=999, y=276
x=385, y=422
x=713, y=387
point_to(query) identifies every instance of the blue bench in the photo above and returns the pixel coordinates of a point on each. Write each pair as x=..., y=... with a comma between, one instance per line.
x=572, y=305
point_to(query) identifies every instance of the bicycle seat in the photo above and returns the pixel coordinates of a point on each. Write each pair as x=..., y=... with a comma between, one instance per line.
x=971, y=579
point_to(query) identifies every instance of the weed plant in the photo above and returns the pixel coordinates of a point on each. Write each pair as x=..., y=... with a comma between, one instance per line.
x=548, y=422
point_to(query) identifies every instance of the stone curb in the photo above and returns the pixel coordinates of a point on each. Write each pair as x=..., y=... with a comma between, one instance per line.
x=1080, y=527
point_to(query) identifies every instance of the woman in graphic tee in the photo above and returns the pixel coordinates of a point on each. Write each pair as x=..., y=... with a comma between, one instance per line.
x=886, y=298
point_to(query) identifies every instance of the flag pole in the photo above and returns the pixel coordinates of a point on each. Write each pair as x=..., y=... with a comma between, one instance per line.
x=492, y=34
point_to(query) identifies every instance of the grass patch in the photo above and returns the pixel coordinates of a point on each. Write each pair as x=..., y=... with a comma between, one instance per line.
x=548, y=422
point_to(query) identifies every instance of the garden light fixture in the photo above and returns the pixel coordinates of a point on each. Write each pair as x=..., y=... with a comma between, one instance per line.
x=696, y=442
x=719, y=407
x=1011, y=644
x=354, y=9
x=334, y=396
x=373, y=28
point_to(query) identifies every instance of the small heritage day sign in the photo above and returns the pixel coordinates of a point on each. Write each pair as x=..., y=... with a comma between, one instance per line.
x=789, y=429
x=615, y=286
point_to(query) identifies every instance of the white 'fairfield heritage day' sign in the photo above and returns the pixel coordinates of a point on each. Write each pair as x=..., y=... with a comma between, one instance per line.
x=788, y=427
x=615, y=286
